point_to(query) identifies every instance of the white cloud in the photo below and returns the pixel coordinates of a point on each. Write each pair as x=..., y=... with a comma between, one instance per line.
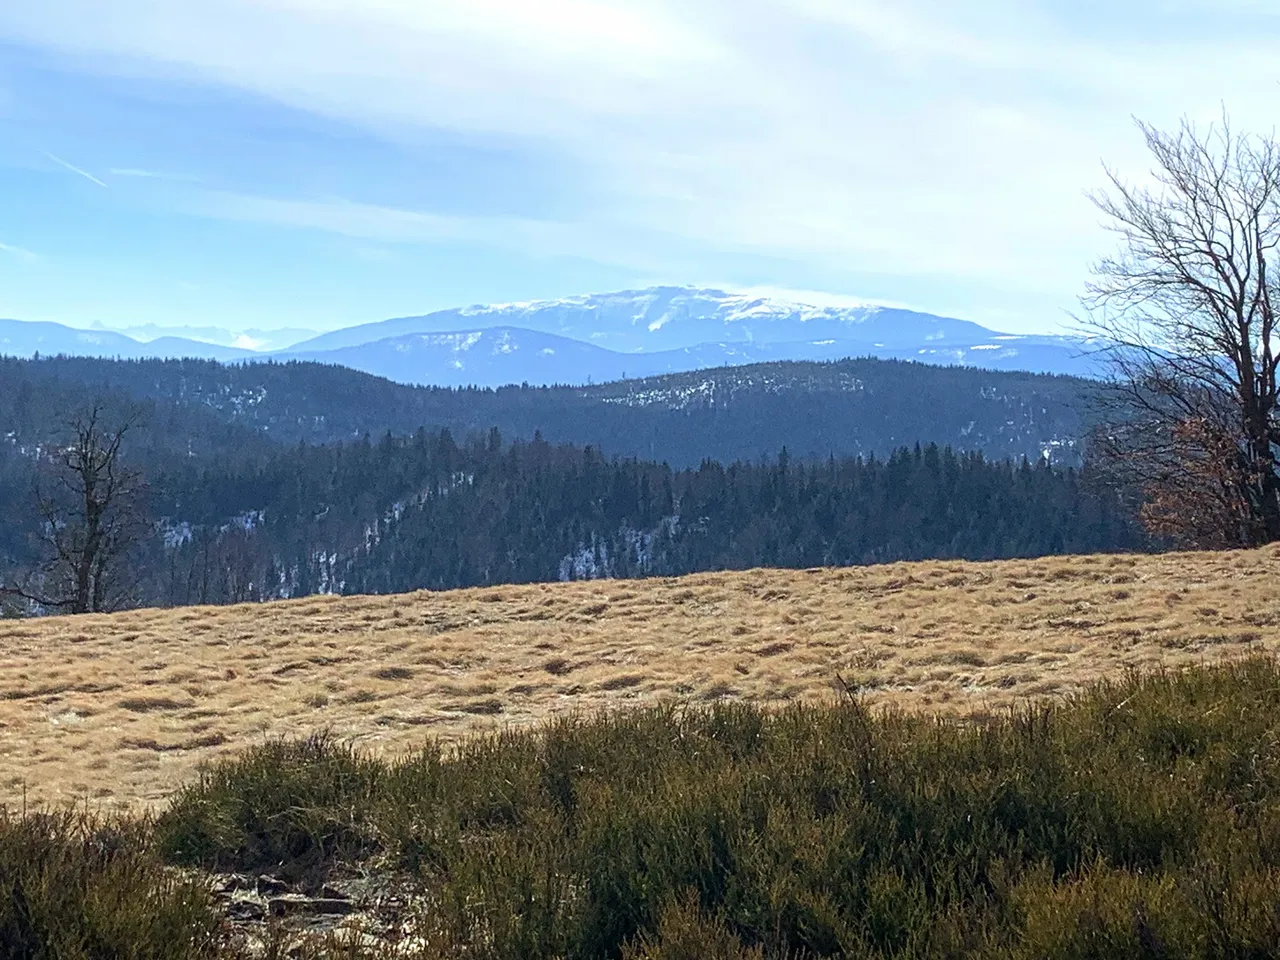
x=920, y=138
x=913, y=35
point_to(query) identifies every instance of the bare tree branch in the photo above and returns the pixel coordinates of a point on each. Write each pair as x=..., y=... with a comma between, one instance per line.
x=91, y=507
x=1188, y=309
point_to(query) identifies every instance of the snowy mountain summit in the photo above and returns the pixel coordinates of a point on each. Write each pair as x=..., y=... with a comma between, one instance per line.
x=676, y=318
x=607, y=336
x=639, y=333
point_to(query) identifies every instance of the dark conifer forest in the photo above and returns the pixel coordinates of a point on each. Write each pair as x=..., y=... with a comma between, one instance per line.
x=272, y=481
x=849, y=407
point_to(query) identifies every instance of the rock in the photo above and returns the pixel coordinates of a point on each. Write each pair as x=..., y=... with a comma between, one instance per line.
x=332, y=906
x=246, y=910
x=267, y=886
x=296, y=904
x=232, y=882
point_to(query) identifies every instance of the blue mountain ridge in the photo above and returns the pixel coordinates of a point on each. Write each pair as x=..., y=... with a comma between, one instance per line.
x=602, y=337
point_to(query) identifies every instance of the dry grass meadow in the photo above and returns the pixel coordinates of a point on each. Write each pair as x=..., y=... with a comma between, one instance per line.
x=120, y=709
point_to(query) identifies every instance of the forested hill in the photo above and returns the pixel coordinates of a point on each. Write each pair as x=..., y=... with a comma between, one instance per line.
x=272, y=481
x=850, y=407
x=427, y=512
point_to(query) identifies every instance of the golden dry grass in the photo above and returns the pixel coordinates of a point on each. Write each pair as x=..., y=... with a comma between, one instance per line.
x=122, y=708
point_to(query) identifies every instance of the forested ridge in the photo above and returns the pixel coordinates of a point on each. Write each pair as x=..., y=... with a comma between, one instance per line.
x=849, y=407
x=254, y=491
x=426, y=511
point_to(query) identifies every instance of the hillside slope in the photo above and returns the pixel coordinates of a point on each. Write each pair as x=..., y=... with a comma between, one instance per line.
x=123, y=708
x=853, y=407
x=500, y=356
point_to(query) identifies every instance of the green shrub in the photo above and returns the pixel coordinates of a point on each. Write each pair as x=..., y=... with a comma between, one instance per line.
x=686, y=933
x=291, y=807
x=1140, y=819
x=76, y=888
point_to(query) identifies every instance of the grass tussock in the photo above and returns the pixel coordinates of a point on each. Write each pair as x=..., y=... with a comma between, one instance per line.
x=1138, y=819
x=206, y=683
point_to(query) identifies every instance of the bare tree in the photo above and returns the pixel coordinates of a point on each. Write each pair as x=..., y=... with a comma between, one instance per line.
x=1188, y=309
x=90, y=506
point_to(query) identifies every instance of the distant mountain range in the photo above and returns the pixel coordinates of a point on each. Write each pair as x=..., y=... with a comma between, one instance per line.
x=595, y=338
x=253, y=339
x=673, y=318
x=21, y=338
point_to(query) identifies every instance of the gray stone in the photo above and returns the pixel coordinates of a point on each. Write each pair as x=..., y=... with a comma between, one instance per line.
x=296, y=904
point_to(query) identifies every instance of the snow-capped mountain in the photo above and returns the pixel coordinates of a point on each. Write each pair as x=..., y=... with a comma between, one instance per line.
x=641, y=333
x=602, y=337
x=673, y=318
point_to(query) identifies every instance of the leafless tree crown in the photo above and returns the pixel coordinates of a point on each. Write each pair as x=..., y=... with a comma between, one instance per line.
x=90, y=505
x=1188, y=308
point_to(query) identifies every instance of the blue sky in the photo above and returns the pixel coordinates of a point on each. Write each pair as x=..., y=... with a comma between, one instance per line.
x=318, y=163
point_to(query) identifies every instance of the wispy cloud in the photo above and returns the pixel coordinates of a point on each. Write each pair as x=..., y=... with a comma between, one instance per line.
x=19, y=252
x=134, y=172
x=395, y=225
x=949, y=144
x=73, y=168
x=362, y=220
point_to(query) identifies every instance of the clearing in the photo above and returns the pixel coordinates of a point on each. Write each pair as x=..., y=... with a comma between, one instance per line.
x=120, y=709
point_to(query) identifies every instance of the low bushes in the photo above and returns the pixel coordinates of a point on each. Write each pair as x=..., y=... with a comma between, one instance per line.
x=1141, y=819
x=76, y=888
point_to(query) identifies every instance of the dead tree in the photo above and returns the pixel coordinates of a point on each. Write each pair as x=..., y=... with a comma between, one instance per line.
x=1187, y=309
x=90, y=505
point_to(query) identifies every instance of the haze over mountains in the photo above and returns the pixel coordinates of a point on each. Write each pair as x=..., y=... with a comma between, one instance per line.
x=19, y=338
x=251, y=339
x=593, y=338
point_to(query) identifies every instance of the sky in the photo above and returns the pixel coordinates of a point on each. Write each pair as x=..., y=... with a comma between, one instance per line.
x=320, y=163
